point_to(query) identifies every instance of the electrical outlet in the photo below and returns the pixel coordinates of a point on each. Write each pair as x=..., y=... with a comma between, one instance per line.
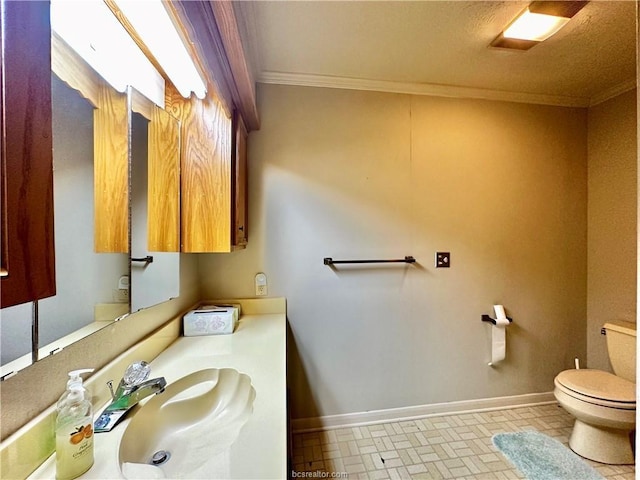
x=120, y=295
x=443, y=259
x=123, y=282
x=261, y=285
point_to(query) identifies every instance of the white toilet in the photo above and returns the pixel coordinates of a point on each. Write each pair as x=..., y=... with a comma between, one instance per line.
x=603, y=404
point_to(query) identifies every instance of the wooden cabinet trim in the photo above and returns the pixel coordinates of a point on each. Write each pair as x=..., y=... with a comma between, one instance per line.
x=214, y=33
x=240, y=191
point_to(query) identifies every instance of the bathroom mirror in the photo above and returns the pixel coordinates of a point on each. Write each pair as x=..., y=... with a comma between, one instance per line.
x=155, y=201
x=87, y=294
x=94, y=288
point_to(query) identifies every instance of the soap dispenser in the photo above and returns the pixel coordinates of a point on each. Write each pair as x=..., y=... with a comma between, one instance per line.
x=74, y=429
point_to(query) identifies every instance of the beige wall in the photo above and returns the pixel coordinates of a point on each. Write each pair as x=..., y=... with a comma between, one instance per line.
x=612, y=213
x=349, y=174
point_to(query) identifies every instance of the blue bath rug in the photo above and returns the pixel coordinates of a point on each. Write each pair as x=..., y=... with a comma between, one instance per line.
x=540, y=457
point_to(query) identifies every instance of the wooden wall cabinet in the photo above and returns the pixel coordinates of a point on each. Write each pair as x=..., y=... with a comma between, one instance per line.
x=205, y=173
x=213, y=175
x=27, y=252
x=163, y=193
x=214, y=148
x=111, y=171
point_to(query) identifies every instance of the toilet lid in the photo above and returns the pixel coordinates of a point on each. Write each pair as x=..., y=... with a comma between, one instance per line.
x=598, y=384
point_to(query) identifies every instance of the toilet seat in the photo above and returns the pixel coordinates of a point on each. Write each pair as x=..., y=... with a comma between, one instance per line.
x=598, y=387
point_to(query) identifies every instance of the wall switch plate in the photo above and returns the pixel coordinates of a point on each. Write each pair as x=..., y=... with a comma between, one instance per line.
x=261, y=284
x=443, y=259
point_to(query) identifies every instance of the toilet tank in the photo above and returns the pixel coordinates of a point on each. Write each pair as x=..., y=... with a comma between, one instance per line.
x=621, y=345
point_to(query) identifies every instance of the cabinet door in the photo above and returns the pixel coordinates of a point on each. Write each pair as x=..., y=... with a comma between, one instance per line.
x=111, y=171
x=205, y=173
x=28, y=262
x=164, y=183
x=240, y=233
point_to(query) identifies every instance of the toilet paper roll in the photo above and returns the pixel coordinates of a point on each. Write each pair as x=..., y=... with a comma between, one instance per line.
x=501, y=316
x=498, y=343
x=499, y=335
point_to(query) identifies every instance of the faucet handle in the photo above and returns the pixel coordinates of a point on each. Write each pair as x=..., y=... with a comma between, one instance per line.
x=110, y=385
x=136, y=373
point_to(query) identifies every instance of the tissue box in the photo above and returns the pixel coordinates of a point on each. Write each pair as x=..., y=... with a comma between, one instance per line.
x=210, y=320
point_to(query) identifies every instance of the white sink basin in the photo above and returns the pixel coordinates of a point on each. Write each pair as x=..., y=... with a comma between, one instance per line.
x=189, y=427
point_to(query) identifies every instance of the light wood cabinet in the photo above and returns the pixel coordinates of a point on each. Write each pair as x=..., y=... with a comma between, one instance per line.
x=163, y=194
x=111, y=171
x=205, y=173
x=214, y=151
x=213, y=175
x=27, y=239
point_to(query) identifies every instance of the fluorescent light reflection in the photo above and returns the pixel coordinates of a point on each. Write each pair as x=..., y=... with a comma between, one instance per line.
x=154, y=25
x=534, y=26
x=91, y=30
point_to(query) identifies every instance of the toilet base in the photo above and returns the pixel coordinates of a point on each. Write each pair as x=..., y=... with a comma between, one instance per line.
x=604, y=445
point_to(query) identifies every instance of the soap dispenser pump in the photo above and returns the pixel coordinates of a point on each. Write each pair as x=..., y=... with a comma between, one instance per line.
x=74, y=429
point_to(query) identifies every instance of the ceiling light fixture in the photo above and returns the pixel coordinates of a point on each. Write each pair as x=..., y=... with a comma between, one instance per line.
x=538, y=22
x=103, y=42
x=106, y=46
x=534, y=26
x=155, y=28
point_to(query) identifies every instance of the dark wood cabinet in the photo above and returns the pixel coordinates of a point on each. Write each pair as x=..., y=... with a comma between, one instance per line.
x=28, y=262
x=239, y=234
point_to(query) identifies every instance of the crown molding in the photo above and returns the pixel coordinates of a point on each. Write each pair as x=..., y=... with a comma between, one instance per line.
x=325, y=81
x=614, y=91
x=247, y=25
x=214, y=35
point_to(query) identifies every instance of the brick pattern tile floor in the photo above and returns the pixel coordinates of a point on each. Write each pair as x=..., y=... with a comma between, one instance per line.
x=440, y=447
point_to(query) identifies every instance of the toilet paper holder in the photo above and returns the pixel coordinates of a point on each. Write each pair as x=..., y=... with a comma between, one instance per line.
x=487, y=318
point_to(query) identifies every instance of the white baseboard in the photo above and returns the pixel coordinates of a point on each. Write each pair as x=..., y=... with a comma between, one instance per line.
x=330, y=422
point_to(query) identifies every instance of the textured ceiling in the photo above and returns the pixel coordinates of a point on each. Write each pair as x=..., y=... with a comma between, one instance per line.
x=430, y=45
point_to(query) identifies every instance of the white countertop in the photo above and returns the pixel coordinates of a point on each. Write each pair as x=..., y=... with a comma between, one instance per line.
x=258, y=349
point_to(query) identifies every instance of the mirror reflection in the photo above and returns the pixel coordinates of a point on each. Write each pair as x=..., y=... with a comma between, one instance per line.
x=94, y=288
x=87, y=283
x=87, y=294
x=91, y=138
x=154, y=160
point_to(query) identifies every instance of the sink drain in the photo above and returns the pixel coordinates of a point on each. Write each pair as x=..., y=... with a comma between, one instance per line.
x=160, y=457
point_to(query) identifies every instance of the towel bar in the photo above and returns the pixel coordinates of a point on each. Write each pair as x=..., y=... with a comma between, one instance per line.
x=407, y=259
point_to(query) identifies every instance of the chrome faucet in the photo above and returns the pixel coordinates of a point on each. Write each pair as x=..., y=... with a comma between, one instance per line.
x=133, y=387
